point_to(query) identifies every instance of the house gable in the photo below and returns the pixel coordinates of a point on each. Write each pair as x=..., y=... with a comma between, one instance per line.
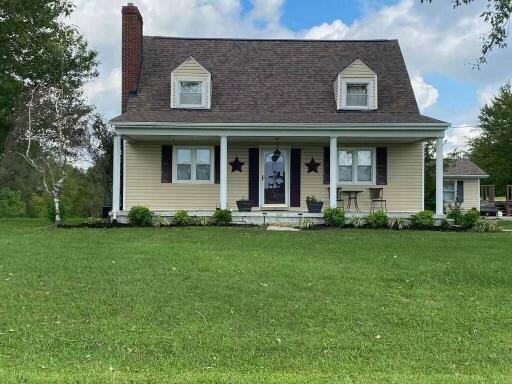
x=191, y=70
x=356, y=73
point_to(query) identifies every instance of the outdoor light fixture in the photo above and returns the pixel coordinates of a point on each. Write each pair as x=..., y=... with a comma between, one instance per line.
x=277, y=152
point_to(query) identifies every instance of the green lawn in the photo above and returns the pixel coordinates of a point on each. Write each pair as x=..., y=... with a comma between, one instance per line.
x=243, y=305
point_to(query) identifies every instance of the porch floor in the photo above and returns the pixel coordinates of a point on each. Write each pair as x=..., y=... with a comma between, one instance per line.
x=263, y=217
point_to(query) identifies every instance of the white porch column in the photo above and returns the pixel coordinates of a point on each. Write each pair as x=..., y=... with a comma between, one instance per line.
x=439, y=176
x=116, y=176
x=223, y=172
x=333, y=175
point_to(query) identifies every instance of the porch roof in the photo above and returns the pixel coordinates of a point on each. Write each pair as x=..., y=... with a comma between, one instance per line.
x=357, y=132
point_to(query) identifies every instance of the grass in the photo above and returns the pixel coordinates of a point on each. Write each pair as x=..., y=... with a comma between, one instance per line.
x=505, y=224
x=235, y=305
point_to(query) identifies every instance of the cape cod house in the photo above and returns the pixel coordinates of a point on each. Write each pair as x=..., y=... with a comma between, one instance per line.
x=206, y=122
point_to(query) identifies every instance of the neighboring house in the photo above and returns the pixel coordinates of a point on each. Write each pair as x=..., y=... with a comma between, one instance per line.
x=206, y=122
x=462, y=183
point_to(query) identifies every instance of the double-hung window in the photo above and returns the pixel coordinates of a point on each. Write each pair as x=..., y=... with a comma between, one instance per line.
x=190, y=93
x=193, y=165
x=357, y=94
x=449, y=191
x=356, y=166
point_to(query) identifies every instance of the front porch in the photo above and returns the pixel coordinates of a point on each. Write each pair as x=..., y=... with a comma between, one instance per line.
x=168, y=168
x=257, y=217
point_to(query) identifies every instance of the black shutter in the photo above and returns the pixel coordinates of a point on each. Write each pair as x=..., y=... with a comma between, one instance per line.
x=327, y=168
x=295, y=164
x=460, y=191
x=166, y=162
x=382, y=166
x=254, y=176
x=216, y=160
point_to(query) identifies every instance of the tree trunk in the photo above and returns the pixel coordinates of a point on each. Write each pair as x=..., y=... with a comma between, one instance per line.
x=56, y=204
x=57, y=189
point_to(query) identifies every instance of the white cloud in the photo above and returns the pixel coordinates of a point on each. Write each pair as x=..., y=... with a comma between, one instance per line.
x=458, y=137
x=426, y=94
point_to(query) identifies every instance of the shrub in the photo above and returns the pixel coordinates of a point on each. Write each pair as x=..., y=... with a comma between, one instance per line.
x=306, y=224
x=222, y=217
x=160, y=221
x=312, y=199
x=486, y=226
x=11, y=203
x=37, y=205
x=398, y=223
x=377, y=219
x=423, y=219
x=334, y=217
x=470, y=218
x=50, y=211
x=358, y=222
x=140, y=216
x=455, y=213
x=181, y=218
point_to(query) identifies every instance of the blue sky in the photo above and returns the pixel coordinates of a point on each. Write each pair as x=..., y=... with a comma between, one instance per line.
x=439, y=43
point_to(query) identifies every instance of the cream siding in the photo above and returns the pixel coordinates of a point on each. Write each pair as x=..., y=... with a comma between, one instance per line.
x=358, y=70
x=190, y=69
x=471, y=192
x=143, y=186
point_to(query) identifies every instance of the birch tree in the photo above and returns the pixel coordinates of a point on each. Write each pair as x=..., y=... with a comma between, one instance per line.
x=52, y=134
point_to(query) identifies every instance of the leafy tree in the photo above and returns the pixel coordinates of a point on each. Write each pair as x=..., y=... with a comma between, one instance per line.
x=430, y=171
x=492, y=150
x=37, y=46
x=497, y=15
x=430, y=175
x=11, y=203
x=52, y=134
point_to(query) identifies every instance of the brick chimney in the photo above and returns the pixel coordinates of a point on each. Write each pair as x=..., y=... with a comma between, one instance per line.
x=131, y=55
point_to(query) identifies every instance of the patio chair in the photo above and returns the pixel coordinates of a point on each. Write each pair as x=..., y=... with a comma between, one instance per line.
x=339, y=196
x=376, y=197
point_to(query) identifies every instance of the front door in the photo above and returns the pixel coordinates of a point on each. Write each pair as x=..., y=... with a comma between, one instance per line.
x=274, y=179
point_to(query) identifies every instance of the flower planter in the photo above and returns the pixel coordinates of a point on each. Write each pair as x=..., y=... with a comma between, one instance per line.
x=244, y=205
x=315, y=207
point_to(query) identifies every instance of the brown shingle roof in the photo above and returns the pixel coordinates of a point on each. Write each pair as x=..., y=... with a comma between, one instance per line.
x=463, y=167
x=272, y=81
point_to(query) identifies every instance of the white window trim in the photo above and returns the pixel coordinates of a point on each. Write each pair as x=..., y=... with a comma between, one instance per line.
x=176, y=82
x=193, y=164
x=354, y=166
x=371, y=83
x=455, y=192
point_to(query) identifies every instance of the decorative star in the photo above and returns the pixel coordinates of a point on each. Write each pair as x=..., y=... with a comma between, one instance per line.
x=236, y=165
x=312, y=166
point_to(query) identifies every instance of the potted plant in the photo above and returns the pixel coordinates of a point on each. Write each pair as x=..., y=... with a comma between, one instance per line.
x=244, y=205
x=314, y=204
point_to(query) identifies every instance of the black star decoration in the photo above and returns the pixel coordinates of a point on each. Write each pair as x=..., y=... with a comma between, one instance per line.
x=312, y=166
x=236, y=165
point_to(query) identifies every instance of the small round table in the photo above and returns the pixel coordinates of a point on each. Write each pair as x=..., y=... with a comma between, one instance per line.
x=352, y=197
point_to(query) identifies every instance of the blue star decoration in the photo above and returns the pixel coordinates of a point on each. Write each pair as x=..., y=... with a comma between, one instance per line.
x=236, y=165
x=312, y=166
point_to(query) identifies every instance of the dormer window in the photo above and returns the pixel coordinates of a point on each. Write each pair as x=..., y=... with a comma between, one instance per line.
x=355, y=88
x=191, y=86
x=190, y=93
x=357, y=95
